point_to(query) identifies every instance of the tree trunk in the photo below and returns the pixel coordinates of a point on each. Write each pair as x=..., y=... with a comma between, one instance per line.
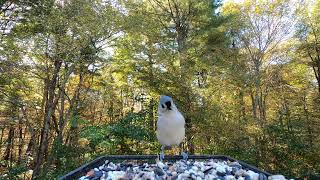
x=1, y=138
x=73, y=111
x=309, y=130
x=316, y=67
x=9, y=143
x=59, y=126
x=61, y=120
x=32, y=141
x=21, y=142
x=254, y=106
x=49, y=108
x=152, y=124
x=182, y=28
x=317, y=72
x=11, y=159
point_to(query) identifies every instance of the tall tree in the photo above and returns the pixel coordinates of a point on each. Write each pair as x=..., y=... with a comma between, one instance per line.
x=63, y=42
x=258, y=29
x=174, y=47
x=308, y=33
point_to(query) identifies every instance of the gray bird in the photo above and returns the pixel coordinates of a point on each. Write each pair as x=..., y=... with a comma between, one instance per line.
x=170, y=125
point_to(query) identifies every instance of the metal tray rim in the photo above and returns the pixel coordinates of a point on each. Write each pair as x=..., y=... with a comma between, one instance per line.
x=100, y=160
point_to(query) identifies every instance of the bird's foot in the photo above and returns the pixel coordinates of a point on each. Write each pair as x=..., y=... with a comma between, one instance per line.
x=161, y=156
x=184, y=156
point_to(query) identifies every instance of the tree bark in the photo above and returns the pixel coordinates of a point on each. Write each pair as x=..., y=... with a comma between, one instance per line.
x=21, y=142
x=49, y=108
x=152, y=124
x=60, y=124
x=318, y=75
x=32, y=141
x=9, y=143
x=1, y=138
x=254, y=106
x=61, y=120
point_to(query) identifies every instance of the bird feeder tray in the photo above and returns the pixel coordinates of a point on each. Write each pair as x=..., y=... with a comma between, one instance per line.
x=151, y=158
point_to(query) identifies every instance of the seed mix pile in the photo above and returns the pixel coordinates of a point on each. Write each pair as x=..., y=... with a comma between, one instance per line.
x=213, y=169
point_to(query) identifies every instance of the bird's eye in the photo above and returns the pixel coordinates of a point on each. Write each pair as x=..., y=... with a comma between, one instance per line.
x=162, y=105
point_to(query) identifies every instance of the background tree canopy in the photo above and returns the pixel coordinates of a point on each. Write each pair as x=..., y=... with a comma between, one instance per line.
x=82, y=78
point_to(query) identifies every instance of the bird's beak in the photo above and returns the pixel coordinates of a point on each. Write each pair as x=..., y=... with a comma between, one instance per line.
x=168, y=104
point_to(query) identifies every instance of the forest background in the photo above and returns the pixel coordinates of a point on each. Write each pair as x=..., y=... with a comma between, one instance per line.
x=82, y=78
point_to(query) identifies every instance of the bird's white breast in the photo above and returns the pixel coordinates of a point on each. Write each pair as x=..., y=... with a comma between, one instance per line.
x=170, y=128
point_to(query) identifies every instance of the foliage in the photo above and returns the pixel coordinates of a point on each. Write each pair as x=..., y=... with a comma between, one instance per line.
x=81, y=78
x=127, y=134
